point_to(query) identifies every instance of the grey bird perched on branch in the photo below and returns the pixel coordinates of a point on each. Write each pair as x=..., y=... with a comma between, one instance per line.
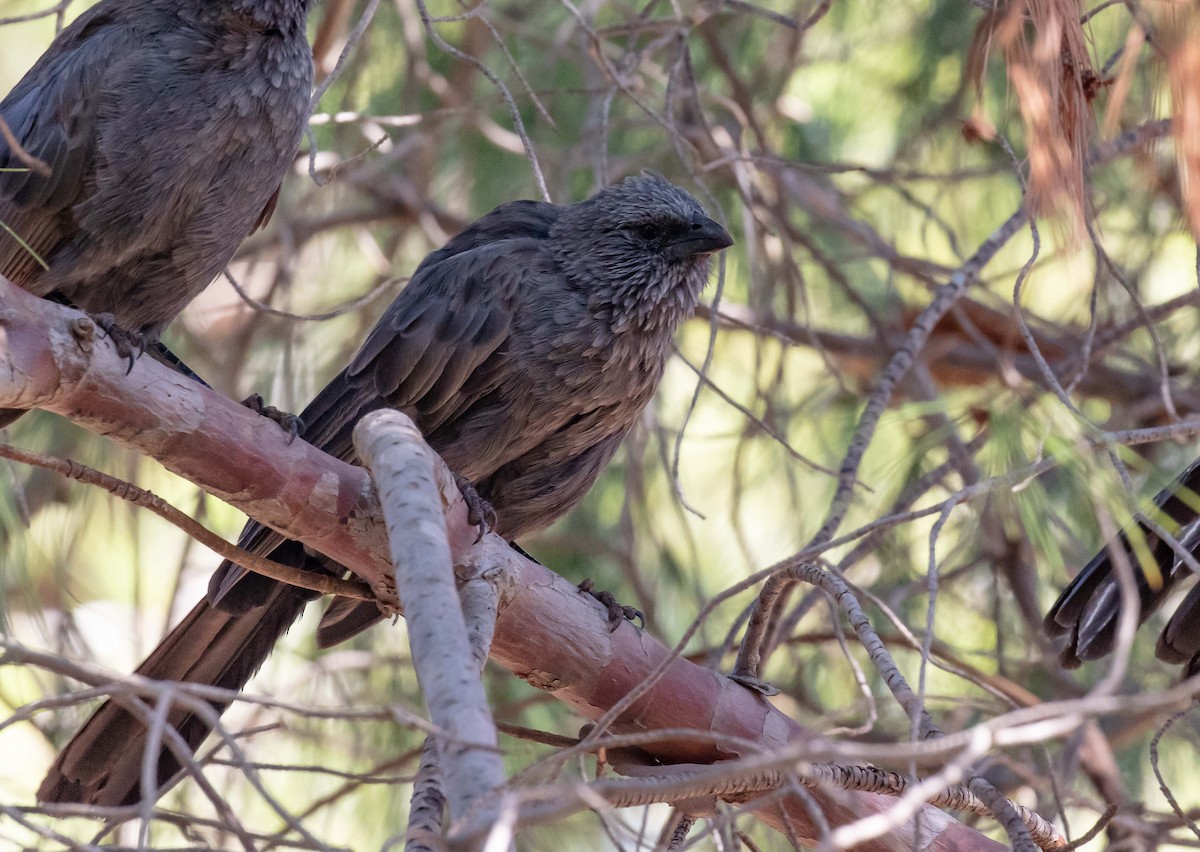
x=143, y=146
x=524, y=349
x=1085, y=616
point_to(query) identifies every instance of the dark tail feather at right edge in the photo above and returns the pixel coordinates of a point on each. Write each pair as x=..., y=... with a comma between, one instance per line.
x=1088, y=610
x=102, y=764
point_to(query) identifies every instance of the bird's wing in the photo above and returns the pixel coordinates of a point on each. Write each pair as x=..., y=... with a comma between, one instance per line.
x=451, y=320
x=423, y=355
x=51, y=115
x=1089, y=607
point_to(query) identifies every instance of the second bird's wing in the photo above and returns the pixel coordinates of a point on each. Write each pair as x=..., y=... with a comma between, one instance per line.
x=444, y=331
x=52, y=114
x=1087, y=611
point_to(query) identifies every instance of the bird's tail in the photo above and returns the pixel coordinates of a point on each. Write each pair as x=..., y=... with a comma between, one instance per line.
x=102, y=764
x=1088, y=610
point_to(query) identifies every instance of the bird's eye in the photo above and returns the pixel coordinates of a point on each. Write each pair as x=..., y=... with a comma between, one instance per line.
x=646, y=230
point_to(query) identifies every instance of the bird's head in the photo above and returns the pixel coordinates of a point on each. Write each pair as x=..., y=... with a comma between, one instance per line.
x=641, y=250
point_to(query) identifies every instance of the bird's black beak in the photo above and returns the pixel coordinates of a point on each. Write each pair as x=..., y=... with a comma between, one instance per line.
x=704, y=237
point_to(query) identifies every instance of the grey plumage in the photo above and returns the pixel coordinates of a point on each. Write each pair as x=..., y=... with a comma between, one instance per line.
x=1084, y=618
x=168, y=127
x=524, y=349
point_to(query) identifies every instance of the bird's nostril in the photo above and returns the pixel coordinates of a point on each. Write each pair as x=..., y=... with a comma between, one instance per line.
x=696, y=226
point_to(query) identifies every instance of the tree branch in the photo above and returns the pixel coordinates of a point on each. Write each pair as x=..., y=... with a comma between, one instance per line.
x=403, y=467
x=55, y=358
x=547, y=632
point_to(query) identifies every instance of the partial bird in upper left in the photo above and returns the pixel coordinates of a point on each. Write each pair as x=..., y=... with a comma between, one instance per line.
x=142, y=147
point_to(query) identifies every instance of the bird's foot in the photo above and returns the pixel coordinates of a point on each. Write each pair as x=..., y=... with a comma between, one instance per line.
x=618, y=613
x=291, y=423
x=130, y=344
x=480, y=513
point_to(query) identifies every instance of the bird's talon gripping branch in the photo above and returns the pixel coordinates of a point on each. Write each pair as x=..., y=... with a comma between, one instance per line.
x=291, y=423
x=130, y=344
x=480, y=513
x=618, y=613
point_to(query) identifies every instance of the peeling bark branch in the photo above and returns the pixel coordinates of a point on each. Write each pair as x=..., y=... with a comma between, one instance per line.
x=403, y=468
x=547, y=632
x=56, y=358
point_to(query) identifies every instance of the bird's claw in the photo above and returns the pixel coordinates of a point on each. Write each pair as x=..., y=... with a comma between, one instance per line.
x=130, y=344
x=618, y=613
x=480, y=513
x=291, y=423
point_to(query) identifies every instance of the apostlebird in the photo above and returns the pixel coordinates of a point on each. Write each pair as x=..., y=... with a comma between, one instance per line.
x=152, y=137
x=524, y=350
x=1088, y=610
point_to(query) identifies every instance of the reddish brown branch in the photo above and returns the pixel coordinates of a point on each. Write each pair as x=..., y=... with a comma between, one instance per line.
x=547, y=633
x=58, y=360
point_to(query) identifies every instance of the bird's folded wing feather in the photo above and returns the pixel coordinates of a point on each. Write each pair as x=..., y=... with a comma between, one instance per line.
x=425, y=353
x=52, y=115
x=1089, y=607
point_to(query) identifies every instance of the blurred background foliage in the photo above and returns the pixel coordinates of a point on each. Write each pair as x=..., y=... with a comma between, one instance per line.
x=841, y=143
